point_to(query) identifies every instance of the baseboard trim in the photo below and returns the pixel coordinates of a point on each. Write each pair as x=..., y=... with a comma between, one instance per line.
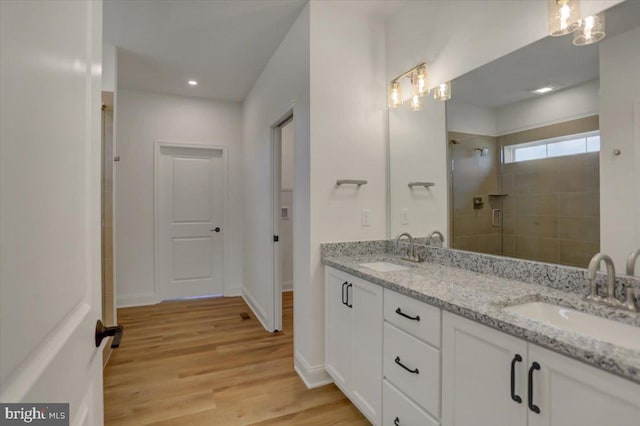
x=137, y=300
x=313, y=376
x=259, y=313
x=233, y=291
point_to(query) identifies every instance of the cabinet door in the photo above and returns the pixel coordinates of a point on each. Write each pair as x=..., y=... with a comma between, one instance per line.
x=366, y=299
x=571, y=393
x=338, y=329
x=476, y=375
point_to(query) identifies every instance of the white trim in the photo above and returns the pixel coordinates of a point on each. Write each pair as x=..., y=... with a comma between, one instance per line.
x=545, y=123
x=15, y=387
x=131, y=300
x=259, y=313
x=287, y=286
x=158, y=145
x=233, y=291
x=313, y=376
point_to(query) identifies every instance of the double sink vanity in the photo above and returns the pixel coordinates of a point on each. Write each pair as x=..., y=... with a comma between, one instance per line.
x=474, y=339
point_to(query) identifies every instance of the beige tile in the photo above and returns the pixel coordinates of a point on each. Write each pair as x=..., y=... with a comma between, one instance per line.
x=464, y=226
x=536, y=204
x=508, y=245
x=490, y=243
x=536, y=182
x=539, y=226
x=508, y=224
x=465, y=243
x=576, y=253
x=578, y=180
x=579, y=204
x=535, y=248
x=585, y=229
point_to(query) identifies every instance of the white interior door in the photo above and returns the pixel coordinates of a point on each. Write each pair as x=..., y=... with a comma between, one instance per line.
x=190, y=212
x=50, y=58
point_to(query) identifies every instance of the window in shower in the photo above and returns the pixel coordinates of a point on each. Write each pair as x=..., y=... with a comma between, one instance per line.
x=556, y=147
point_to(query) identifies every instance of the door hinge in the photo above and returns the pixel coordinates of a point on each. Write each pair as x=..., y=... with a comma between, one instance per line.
x=276, y=238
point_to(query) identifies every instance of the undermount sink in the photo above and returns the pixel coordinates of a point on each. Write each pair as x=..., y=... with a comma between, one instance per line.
x=384, y=267
x=579, y=322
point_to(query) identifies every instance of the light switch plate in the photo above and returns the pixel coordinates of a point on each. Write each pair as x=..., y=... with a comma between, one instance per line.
x=366, y=217
x=404, y=216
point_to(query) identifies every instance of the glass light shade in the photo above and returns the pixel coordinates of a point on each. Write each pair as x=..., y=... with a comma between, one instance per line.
x=395, y=94
x=442, y=92
x=416, y=102
x=591, y=30
x=420, y=81
x=564, y=16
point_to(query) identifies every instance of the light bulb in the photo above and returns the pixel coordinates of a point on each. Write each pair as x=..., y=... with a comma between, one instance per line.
x=564, y=16
x=591, y=30
x=395, y=94
x=416, y=102
x=420, y=81
x=442, y=92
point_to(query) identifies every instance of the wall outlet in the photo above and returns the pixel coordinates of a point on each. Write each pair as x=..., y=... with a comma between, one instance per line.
x=366, y=217
x=404, y=216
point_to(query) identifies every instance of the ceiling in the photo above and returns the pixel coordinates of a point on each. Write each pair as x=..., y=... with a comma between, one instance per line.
x=552, y=61
x=224, y=45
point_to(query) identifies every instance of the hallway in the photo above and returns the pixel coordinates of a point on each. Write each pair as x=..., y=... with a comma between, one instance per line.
x=197, y=362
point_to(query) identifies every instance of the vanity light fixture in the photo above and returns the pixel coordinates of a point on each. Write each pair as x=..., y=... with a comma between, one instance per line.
x=395, y=94
x=192, y=83
x=442, y=92
x=564, y=16
x=591, y=30
x=419, y=87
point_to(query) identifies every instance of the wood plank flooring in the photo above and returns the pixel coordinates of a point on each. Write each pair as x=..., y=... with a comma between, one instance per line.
x=198, y=362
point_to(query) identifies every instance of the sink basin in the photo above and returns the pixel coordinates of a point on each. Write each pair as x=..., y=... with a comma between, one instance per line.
x=384, y=267
x=579, y=322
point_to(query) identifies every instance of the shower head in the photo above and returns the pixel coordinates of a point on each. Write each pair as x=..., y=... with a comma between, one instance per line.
x=483, y=151
x=455, y=141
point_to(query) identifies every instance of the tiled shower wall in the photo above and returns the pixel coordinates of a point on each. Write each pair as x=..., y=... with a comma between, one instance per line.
x=552, y=211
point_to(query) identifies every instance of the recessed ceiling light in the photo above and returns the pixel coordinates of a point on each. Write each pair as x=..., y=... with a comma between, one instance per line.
x=193, y=83
x=542, y=90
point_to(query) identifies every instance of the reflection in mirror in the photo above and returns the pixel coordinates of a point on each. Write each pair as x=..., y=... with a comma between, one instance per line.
x=519, y=163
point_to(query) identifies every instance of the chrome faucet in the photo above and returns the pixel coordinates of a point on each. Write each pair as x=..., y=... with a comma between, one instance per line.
x=611, y=280
x=630, y=302
x=435, y=233
x=411, y=251
x=631, y=262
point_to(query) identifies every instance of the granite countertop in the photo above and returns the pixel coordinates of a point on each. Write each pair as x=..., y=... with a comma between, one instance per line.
x=482, y=297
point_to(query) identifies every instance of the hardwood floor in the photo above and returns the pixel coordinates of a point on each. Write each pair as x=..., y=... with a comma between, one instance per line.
x=198, y=362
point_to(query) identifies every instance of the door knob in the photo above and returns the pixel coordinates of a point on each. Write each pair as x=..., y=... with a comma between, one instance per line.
x=216, y=229
x=102, y=332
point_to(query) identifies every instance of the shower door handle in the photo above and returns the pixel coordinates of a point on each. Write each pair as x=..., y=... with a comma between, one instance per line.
x=496, y=218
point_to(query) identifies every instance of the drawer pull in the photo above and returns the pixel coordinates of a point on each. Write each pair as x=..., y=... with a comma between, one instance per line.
x=515, y=397
x=415, y=371
x=348, y=287
x=396, y=421
x=343, y=298
x=402, y=314
x=532, y=406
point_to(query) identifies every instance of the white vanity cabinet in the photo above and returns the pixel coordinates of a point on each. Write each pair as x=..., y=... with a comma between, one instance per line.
x=353, y=340
x=478, y=364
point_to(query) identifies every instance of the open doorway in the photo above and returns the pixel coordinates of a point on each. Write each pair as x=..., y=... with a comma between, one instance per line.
x=283, y=185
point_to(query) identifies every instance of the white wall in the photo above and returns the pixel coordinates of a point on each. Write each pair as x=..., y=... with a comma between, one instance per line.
x=420, y=136
x=348, y=141
x=282, y=85
x=620, y=175
x=472, y=119
x=570, y=104
x=144, y=118
x=109, y=67
x=286, y=199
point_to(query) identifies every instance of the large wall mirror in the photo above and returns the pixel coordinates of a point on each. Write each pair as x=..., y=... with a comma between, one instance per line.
x=514, y=155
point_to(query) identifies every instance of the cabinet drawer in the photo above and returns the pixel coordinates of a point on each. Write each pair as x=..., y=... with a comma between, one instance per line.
x=396, y=306
x=397, y=406
x=413, y=367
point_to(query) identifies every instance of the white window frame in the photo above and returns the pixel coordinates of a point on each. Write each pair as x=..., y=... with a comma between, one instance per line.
x=509, y=151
